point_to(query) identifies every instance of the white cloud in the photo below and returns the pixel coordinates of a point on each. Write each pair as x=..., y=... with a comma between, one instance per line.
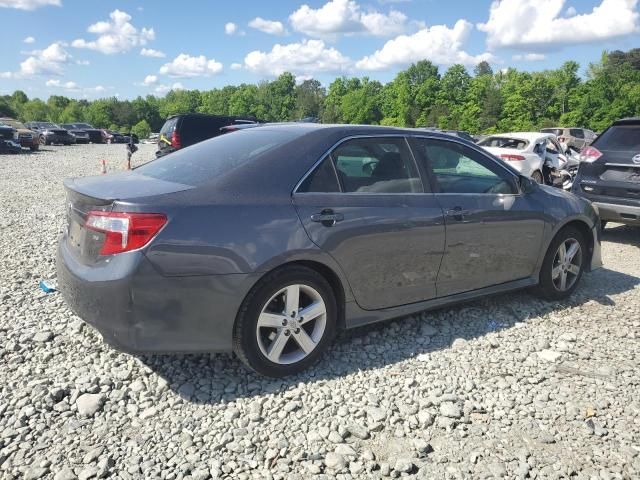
x=236, y=66
x=150, y=80
x=73, y=87
x=29, y=4
x=116, y=35
x=267, y=26
x=303, y=58
x=531, y=23
x=29, y=40
x=230, y=28
x=167, y=88
x=439, y=43
x=570, y=12
x=187, y=66
x=529, y=57
x=150, y=52
x=66, y=85
x=50, y=61
x=346, y=17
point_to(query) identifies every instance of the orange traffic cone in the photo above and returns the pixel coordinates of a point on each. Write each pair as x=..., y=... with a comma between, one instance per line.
x=104, y=167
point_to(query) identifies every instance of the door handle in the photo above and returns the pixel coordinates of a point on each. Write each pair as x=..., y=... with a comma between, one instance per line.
x=457, y=213
x=327, y=217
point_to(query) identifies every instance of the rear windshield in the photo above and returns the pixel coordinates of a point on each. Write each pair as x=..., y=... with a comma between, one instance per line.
x=620, y=137
x=200, y=163
x=168, y=127
x=556, y=131
x=82, y=125
x=504, y=142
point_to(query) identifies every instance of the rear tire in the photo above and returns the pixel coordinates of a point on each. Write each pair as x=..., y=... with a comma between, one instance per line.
x=274, y=342
x=561, y=272
x=537, y=177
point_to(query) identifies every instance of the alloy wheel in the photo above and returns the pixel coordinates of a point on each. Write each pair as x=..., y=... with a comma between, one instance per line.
x=566, y=264
x=291, y=324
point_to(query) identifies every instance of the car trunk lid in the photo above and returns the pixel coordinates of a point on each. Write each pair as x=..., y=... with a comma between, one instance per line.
x=104, y=194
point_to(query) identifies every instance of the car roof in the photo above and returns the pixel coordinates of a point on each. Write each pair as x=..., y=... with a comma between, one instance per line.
x=301, y=128
x=530, y=136
x=628, y=121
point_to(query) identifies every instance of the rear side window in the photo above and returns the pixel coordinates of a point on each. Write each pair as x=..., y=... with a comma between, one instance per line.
x=504, y=142
x=200, y=163
x=322, y=180
x=620, y=137
x=376, y=165
x=576, y=132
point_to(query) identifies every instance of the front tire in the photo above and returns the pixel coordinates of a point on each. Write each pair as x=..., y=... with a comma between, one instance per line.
x=563, y=265
x=286, y=322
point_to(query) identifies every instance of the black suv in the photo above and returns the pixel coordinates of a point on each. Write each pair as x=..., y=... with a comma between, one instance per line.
x=609, y=173
x=183, y=130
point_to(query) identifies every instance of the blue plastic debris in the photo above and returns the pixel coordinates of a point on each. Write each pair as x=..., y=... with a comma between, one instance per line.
x=48, y=286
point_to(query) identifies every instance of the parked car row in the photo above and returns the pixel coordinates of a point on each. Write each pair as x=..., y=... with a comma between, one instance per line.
x=33, y=134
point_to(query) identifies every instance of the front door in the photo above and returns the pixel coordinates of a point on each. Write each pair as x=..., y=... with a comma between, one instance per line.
x=493, y=232
x=365, y=205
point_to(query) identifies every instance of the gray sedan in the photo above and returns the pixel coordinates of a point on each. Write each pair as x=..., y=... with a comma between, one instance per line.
x=268, y=240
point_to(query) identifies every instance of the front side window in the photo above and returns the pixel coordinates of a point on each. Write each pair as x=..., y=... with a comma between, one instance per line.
x=456, y=168
x=376, y=165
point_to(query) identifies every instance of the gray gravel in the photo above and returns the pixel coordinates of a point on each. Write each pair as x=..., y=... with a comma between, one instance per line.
x=504, y=387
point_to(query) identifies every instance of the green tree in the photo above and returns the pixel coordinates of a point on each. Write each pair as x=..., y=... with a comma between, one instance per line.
x=142, y=129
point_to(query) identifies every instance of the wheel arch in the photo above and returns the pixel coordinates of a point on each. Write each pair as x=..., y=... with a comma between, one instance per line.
x=582, y=225
x=327, y=272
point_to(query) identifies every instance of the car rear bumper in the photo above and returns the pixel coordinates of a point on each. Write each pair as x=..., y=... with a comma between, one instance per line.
x=137, y=310
x=613, y=212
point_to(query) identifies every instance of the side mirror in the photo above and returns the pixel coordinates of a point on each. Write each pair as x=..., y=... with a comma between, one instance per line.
x=527, y=185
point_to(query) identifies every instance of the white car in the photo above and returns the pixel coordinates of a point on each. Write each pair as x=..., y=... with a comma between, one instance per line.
x=525, y=151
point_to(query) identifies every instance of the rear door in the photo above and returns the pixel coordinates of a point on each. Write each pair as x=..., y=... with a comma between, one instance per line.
x=493, y=232
x=365, y=205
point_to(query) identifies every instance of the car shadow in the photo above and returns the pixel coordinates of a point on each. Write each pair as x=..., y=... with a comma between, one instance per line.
x=215, y=378
x=623, y=234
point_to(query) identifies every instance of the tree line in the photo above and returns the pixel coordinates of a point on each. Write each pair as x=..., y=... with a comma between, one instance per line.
x=483, y=101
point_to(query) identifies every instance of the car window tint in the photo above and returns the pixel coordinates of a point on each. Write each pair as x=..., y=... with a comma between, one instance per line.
x=620, y=138
x=376, y=165
x=457, y=168
x=200, y=163
x=322, y=180
x=576, y=132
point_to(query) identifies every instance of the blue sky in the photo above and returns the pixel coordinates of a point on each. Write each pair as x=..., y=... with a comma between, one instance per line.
x=88, y=49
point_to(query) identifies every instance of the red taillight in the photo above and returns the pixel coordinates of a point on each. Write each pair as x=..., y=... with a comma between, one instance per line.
x=509, y=157
x=125, y=231
x=561, y=139
x=175, y=140
x=590, y=154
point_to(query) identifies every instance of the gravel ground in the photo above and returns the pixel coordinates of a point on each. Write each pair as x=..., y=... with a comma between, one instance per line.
x=507, y=387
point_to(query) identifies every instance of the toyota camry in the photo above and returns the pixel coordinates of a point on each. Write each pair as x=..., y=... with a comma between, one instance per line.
x=266, y=241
